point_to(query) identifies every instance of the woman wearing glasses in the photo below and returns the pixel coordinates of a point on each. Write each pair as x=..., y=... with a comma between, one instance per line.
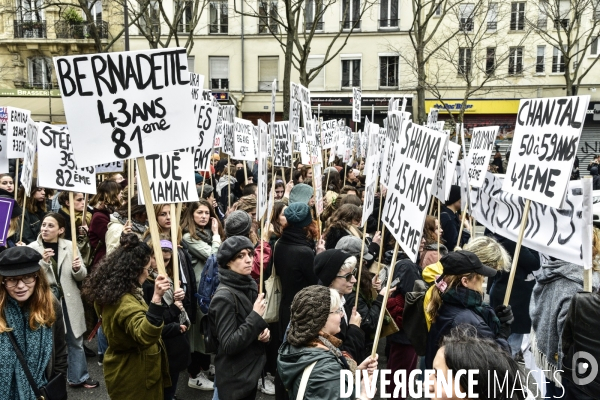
x=32, y=315
x=135, y=363
x=337, y=270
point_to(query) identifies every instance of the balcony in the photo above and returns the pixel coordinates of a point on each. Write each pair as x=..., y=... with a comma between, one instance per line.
x=347, y=25
x=389, y=24
x=389, y=83
x=38, y=85
x=349, y=84
x=83, y=30
x=30, y=29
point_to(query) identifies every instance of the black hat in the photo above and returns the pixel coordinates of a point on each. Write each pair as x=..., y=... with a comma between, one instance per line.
x=205, y=194
x=19, y=260
x=238, y=223
x=230, y=247
x=464, y=262
x=454, y=195
x=328, y=264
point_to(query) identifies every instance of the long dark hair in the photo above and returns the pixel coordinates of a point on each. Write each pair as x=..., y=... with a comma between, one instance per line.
x=277, y=210
x=118, y=273
x=187, y=219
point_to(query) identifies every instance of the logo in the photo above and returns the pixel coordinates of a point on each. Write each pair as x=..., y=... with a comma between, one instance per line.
x=586, y=368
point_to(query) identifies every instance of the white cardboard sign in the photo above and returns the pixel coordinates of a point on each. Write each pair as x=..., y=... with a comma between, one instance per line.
x=263, y=151
x=282, y=142
x=126, y=104
x=108, y=168
x=17, y=130
x=445, y=173
x=3, y=140
x=356, y=103
x=482, y=144
x=244, y=140
x=57, y=168
x=29, y=157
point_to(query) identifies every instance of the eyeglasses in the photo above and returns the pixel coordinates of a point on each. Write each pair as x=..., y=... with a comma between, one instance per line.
x=11, y=282
x=149, y=270
x=339, y=311
x=348, y=277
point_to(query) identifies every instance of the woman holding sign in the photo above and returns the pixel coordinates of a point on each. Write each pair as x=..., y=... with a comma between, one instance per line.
x=64, y=270
x=35, y=209
x=79, y=204
x=105, y=202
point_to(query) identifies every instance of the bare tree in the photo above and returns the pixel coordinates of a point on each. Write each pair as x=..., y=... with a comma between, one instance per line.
x=296, y=23
x=572, y=27
x=471, y=53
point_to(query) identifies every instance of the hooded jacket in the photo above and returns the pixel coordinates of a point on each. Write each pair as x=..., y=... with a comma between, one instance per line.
x=557, y=281
x=324, y=380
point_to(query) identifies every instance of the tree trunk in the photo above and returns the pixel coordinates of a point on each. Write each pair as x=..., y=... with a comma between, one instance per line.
x=421, y=78
x=287, y=72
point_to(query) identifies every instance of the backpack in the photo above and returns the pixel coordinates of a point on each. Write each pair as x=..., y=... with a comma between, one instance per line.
x=413, y=317
x=211, y=343
x=209, y=281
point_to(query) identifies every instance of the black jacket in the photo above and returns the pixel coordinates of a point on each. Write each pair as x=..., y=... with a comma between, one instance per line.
x=240, y=357
x=189, y=303
x=451, y=226
x=293, y=256
x=407, y=272
x=32, y=226
x=176, y=342
x=352, y=337
x=369, y=310
x=580, y=334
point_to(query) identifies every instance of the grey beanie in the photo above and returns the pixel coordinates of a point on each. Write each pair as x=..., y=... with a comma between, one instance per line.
x=238, y=223
x=309, y=312
x=230, y=247
x=301, y=193
x=208, y=189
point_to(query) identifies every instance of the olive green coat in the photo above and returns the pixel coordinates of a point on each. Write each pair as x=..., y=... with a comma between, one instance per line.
x=135, y=364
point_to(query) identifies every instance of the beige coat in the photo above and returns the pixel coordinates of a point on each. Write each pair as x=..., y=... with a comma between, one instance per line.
x=68, y=281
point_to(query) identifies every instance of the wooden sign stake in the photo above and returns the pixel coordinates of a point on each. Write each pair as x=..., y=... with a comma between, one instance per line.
x=439, y=204
x=23, y=214
x=175, y=257
x=385, y=299
x=381, y=246
x=360, y=264
x=513, y=269
x=152, y=224
x=129, y=187
x=16, y=181
x=262, y=277
x=72, y=221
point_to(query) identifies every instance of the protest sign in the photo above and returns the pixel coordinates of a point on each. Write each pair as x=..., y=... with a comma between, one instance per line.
x=3, y=140
x=394, y=124
x=282, y=143
x=273, y=102
x=317, y=179
x=6, y=208
x=263, y=151
x=57, y=167
x=482, y=143
x=196, y=84
x=29, y=157
x=432, y=118
x=108, y=168
x=228, y=146
x=369, y=202
x=171, y=177
x=372, y=160
x=544, y=147
x=140, y=103
x=16, y=128
x=356, y=103
x=445, y=172
x=555, y=232
x=328, y=131
x=416, y=156
x=206, y=124
x=299, y=95
x=244, y=140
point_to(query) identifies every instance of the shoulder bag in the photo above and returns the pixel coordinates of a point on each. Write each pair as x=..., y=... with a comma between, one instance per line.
x=273, y=294
x=304, y=381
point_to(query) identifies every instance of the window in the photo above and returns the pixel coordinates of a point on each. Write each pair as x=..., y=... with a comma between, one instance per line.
x=350, y=73
x=314, y=10
x=597, y=9
x=464, y=61
x=438, y=9
x=388, y=71
x=267, y=72
x=149, y=21
x=29, y=22
x=564, y=6
x=218, y=16
x=388, y=14
x=540, y=60
x=267, y=21
x=351, y=14
x=558, y=61
x=40, y=72
x=30, y=10
x=517, y=16
x=219, y=72
x=95, y=7
x=594, y=47
x=184, y=10
x=191, y=63
x=318, y=83
x=542, y=22
x=466, y=17
x=515, y=61
x=492, y=17
x=490, y=60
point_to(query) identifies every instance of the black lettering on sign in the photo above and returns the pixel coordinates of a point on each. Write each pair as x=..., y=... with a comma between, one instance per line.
x=170, y=192
x=535, y=178
x=166, y=165
x=540, y=112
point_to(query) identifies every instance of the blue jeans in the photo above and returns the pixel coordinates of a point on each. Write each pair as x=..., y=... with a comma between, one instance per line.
x=76, y=363
x=215, y=393
x=515, y=340
x=102, y=341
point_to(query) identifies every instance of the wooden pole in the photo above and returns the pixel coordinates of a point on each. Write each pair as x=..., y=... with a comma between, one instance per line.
x=228, y=190
x=202, y=189
x=16, y=181
x=587, y=280
x=513, y=269
x=23, y=215
x=383, y=304
x=245, y=175
x=152, y=224
x=262, y=277
x=345, y=173
x=431, y=206
x=283, y=176
x=72, y=220
x=179, y=211
x=462, y=218
x=439, y=225
x=129, y=187
x=175, y=257
x=85, y=206
x=380, y=208
x=381, y=246
x=360, y=264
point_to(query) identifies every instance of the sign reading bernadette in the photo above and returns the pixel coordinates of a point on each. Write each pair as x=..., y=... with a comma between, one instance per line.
x=126, y=105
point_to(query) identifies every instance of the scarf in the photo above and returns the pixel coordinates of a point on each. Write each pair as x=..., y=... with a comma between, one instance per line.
x=78, y=216
x=205, y=235
x=467, y=298
x=243, y=283
x=333, y=344
x=136, y=227
x=36, y=346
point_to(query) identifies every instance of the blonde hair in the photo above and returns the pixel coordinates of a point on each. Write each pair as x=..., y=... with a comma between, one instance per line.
x=336, y=300
x=452, y=281
x=596, y=249
x=349, y=264
x=489, y=252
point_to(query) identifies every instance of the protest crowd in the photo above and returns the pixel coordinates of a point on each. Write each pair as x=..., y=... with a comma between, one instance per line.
x=272, y=258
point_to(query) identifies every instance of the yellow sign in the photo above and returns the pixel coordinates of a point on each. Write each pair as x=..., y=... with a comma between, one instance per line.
x=475, y=106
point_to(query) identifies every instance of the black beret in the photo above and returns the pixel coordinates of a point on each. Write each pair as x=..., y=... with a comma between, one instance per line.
x=19, y=260
x=230, y=247
x=328, y=265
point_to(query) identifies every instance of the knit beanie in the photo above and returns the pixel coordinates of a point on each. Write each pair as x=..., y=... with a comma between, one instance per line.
x=328, y=264
x=238, y=223
x=301, y=193
x=230, y=247
x=309, y=312
x=208, y=189
x=298, y=214
x=454, y=195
